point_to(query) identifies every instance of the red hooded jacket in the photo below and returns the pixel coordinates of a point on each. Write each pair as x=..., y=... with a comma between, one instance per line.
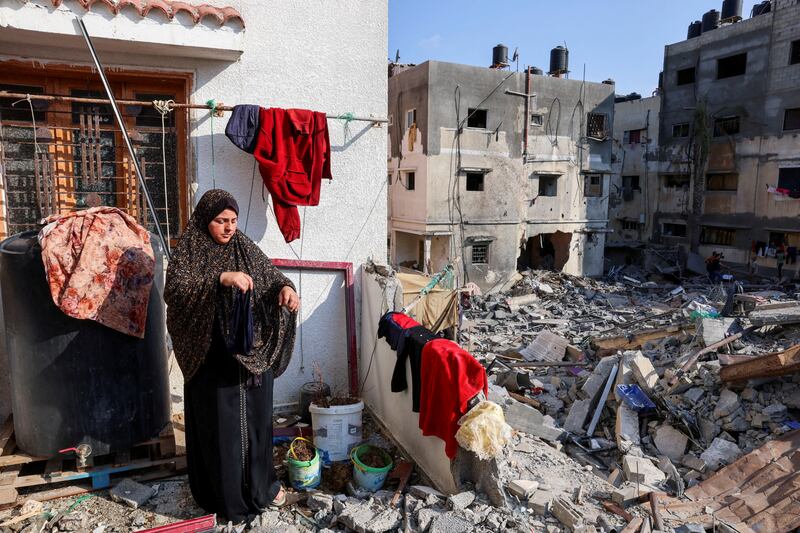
x=293, y=151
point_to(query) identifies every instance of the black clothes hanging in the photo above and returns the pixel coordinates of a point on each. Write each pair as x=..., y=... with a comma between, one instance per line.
x=229, y=475
x=410, y=348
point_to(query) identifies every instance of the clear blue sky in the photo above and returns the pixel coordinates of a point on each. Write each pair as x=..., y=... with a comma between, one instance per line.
x=619, y=39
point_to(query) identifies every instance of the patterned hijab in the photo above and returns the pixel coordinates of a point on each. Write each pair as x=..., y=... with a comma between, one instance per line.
x=195, y=296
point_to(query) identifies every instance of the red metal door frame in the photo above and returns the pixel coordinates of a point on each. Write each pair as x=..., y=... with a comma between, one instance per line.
x=350, y=306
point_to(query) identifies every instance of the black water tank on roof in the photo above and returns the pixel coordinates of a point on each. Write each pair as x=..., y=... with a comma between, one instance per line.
x=710, y=20
x=75, y=381
x=731, y=9
x=559, y=60
x=537, y=71
x=761, y=8
x=500, y=55
x=695, y=29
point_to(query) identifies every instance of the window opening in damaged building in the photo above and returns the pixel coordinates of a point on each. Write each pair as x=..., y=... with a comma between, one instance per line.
x=731, y=66
x=680, y=130
x=726, y=126
x=411, y=180
x=475, y=181
x=722, y=182
x=791, y=119
x=548, y=185
x=593, y=185
x=670, y=229
x=477, y=118
x=596, y=125
x=685, y=76
x=794, y=53
x=480, y=253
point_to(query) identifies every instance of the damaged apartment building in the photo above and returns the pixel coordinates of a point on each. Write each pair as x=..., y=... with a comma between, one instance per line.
x=493, y=171
x=632, y=198
x=727, y=141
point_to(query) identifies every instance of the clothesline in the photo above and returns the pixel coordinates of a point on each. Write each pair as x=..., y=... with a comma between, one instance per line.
x=218, y=107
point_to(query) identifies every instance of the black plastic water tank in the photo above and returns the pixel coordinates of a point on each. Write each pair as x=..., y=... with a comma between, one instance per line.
x=537, y=71
x=710, y=20
x=75, y=381
x=762, y=8
x=500, y=55
x=731, y=9
x=559, y=60
x=695, y=29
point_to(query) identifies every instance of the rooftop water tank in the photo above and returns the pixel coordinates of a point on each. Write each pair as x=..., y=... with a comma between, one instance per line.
x=559, y=60
x=762, y=8
x=537, y=71
x=710, y=21
x=731, y=10
x=695, y=29
x=75, y=381
x=500, y=56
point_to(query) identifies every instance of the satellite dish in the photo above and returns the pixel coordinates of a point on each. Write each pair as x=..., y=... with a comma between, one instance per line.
x=397, y=56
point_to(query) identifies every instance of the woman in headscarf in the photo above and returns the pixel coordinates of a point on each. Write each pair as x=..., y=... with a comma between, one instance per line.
x=228, y=395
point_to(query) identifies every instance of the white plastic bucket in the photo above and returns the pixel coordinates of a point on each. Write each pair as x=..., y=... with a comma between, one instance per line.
x=337, y=429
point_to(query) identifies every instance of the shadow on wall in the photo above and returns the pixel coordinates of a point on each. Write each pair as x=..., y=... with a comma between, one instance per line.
x=549, y=251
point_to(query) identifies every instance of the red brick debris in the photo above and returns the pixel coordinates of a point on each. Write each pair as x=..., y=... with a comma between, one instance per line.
x=169, y=7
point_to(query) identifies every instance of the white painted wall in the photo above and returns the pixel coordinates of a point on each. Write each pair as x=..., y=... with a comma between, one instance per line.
x=326, y=55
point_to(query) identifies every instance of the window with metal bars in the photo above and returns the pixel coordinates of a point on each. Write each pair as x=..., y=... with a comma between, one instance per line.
x=62, y=154
x=719, y=236
x=596, y=126
x=480, y=253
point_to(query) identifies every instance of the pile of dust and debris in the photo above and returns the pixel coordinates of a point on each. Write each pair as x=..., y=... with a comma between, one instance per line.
x=634, y=405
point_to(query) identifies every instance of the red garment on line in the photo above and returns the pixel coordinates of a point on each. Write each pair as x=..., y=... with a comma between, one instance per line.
x=293, y=151
x=450, y=378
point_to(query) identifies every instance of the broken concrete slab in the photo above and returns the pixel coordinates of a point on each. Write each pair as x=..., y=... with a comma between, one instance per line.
x=364, y=517
x=426, y=516
x=461, y=501
x=713, y=330
x=594, y=386
x=643, y=371
x=523, y=488
x=721, y=452
x=319, y=501
x=728, y=402
x=671, y=442
x=578, y=416
x=641, y=470
x=423, y=491
x=531, y=421
x=131, y=493
x=772, y=317
x=539, y=502
x=547, y=346
x=450, y=523
x=627, y=428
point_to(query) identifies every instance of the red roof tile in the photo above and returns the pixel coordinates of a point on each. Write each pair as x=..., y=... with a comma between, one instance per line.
x=169, y=7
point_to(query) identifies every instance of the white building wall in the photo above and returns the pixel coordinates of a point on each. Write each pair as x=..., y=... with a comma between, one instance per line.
x=328, y=56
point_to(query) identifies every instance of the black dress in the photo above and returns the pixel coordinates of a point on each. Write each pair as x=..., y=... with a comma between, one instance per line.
x=229, y=475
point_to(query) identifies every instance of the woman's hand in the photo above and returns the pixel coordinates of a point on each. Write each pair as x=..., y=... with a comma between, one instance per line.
x=289, y=299
x=240, y=280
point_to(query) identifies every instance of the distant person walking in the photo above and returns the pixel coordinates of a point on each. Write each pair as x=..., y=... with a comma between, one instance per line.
x=713, y=267
x=780, y=259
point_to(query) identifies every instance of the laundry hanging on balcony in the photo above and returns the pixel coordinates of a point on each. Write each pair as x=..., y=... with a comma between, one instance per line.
x=293, y=150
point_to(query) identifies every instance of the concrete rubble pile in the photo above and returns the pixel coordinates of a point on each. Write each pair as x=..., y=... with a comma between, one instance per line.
x=651, y=387
x=636, y=406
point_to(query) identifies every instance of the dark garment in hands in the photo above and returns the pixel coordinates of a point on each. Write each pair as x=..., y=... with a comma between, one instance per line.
x=240, y=329
x=411, y=347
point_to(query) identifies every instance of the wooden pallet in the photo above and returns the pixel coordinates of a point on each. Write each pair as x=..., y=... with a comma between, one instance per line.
x=159, y=457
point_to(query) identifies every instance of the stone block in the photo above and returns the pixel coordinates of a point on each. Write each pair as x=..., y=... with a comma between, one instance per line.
x=728, y=402
x=131, y=493
x=720, y=453
x=529, y=420
x=630, y=494
x=540, y=501
x=423, y=491
x=459, y=502
x=319, y=501
x=578, y=417
x=627, y=427
x=597, y=380
x=643, y=372
x=641, y=470
x=425, y=517
x=693, y=462
x=523, y=488
x=450, y=523
x=693, y=395
x=671, y=442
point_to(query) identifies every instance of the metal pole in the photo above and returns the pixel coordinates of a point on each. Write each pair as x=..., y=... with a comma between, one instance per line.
x=127, y=139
